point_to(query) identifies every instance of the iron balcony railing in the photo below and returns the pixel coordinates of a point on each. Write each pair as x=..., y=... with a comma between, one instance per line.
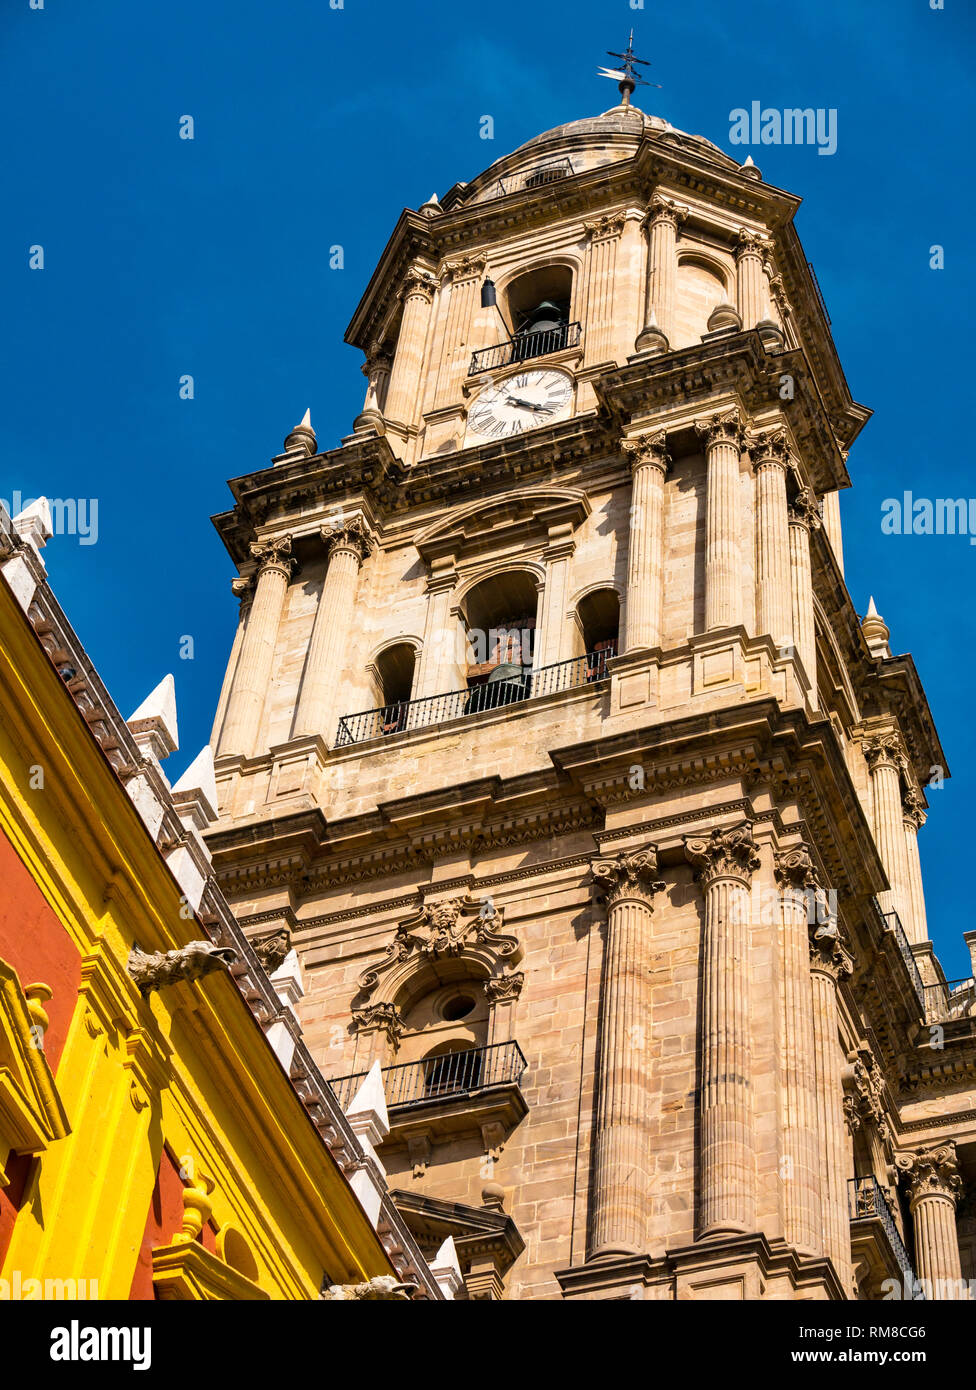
x=866, y=1198
x=539, y=177
x=893, y=922
x=448, y=1074
x=526, y=345
x=949, y=1000
x=438, y=709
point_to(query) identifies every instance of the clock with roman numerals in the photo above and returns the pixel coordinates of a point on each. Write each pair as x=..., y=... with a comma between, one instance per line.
x=520, y=403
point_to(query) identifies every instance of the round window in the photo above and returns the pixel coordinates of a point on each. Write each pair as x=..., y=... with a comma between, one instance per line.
x=458, y=1006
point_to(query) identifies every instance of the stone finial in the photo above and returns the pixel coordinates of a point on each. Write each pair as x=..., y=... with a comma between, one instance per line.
x=876, y=631
x=153, y=725
x=652, y=339
x=724, y=318
x=432, y=207
x=33, y=524
x=195, y=794
x=302, y=437
x=493, y=1196
x=771, y=335
x=750, y=169
x=156, y=969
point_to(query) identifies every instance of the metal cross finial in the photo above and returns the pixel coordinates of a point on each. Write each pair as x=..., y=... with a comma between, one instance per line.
x=627, y=79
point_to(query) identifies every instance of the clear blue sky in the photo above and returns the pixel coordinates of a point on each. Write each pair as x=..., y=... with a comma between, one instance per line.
x=314, y=126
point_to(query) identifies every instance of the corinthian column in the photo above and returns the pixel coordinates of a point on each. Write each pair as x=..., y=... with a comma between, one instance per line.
x=830, y=963
x=376, y=370
x=649, y=460
x=934, y=1185
x=771, y=457
x=914, y=818
x=252, y=677
x=804, y=518
x=725, y=861
x=401, y=397
x=884, y=754
x=347, y=544
x=622, y=1175
x=800, y=1164
x=751, y=293
x=662, y=220
x=721, y=439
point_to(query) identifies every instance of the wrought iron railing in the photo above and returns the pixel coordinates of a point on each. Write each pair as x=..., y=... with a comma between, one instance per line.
x=447, y=1074
x=893, y=922
x=866, y=1198
x=526, y=345
x=951, y=999
x=438, y=709
x=816, y=286
x=538, y=177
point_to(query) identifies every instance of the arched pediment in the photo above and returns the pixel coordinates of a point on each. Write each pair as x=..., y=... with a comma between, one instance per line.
x=525, y=511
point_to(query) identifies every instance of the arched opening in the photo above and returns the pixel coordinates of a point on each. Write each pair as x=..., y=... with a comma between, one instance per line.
x=500, y=624
x=599, y=622
x=699, y=289
x=538, y=306
x=450, y=1068
x=445, y=1033
x=395, y=670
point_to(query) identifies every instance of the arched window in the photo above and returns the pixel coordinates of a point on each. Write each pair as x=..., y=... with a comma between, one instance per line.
x=599, y=620
x=500, y=621
x=394, y=669
x=538, y=305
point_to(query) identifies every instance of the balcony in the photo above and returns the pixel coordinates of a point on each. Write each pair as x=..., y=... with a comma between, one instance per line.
x=539, y=177
x=875, y=1239
x=449, y=1093
x=524, y=346
x=949, y=1000
x=406, y=715
x=893, y=924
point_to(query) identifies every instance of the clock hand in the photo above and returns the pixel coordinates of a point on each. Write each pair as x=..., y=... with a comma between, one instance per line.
x=527, y=405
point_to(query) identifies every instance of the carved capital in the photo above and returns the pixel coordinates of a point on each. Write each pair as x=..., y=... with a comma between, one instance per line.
x=770, y=449
x=353, y=535
x=379, y=1018
x=632, y=875
x=724, y=854
x=864, y=1095
x=466, y=267
x=272, y=949
x=242, y=588
x=931, y=1172
x=611, y=224
x=749, y=243
x=661, y=209
x=721, y=429
x=274, y=554
x=418, y=282
x=794, y=868
x=648, y=449
x=804, y=510
x=913, y=808
x=505, y=989
x=884, y=750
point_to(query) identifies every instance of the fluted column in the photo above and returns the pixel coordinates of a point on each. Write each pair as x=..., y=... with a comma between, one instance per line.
x=721, y=439
x=934, y=1186
x=884, y=754
x=622, y=1173
x=770, y=454
x=751, y=292
x=603, y=236
x=464, y=277
x=401, y=397
x=725, y=860
x=913, y=817
x=252, y=677
x=649, y=460
x=803, y=518
x=662, y=220
x=555, y=633
x=830, y=962
x=347, y=545
x=800, y=1145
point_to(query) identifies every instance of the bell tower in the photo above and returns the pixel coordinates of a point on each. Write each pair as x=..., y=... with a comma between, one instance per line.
x=552, y=737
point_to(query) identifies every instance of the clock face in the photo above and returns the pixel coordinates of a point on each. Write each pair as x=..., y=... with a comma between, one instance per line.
x=520, y=403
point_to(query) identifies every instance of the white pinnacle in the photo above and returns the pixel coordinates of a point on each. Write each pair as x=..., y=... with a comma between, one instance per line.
x=749, y=162
x=872, y=611
x=155, y=719
x=199, y=777
x=370, y=1098
x=306, y=421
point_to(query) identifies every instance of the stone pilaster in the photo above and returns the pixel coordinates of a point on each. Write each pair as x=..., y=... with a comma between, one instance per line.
x=464, y=276
x=347, y=545
x=803, y=518
x=884, y=753
x=603, y=237
x=401, y=397
x=751, y=290
x=649, y=460
x=555, y=634
x=830, y=963
x=770, y=455
x=622, y=1175
x=662, y=220
x=721, y=439
x=245, y=704
x=378, y=1029
x=725, y=861
x=437, y=669
x=800, y=1165
x=934, y=1186
x=913, y=817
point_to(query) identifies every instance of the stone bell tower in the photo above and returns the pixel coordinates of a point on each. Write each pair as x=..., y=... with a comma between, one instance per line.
x=552, y=738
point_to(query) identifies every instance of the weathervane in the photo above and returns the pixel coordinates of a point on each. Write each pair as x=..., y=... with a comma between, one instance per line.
x=627, y=79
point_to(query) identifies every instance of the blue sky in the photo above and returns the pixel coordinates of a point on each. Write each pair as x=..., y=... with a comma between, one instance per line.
x=314, y=126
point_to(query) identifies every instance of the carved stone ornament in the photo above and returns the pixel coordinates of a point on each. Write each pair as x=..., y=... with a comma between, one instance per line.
x=273, y=554
x=631, y=875
x=352, y=535
x=152, y=971
x=272, y=949
x=418, y=281
x=721, y=429
x=884, y=750
x=931, y=1173
x=829, y=951
x=864, y=1096
x=913, y=808
x=804, y=510
x=382, y=1018
x=383, y=1288
x=752, y=243
x=664, y=210
x=241, y=588
x=724, y=854
x=466, y=267
x=611, y=224
x=771, y=448
x=648, y=448
x=505, y=989
x=794, y=868
x=460, y=928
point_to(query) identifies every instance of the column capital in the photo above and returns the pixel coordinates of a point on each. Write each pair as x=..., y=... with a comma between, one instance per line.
x=611, y=224
x=242, y=588
x=465, y=267
x=752, y=243
x=794, y=867
x=804, y=510
x=661, y=209
x=650, y=448
x=418, y=282
x=726, y=428
x=770, y=448
x=724, y=854
x=378, y=359
x=931, y=1172
x=379, y=1018
x=273, y=554
x=504, y=989
x=913, y=808
x=629, y=875
x=353, y=535
x=828, y=951
x=884, y=750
